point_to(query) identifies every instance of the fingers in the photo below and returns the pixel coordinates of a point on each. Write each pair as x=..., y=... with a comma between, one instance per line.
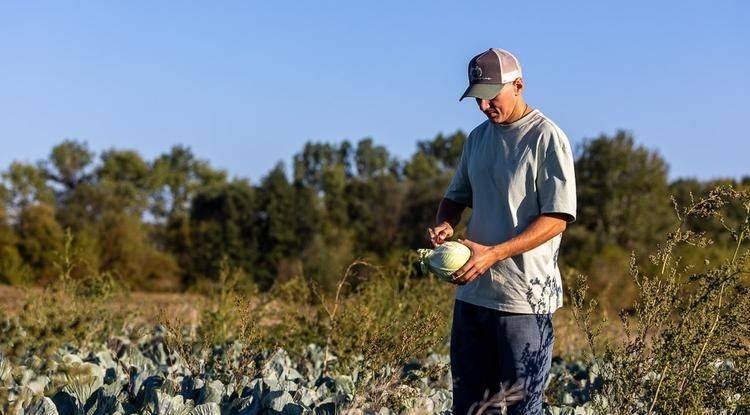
x=465, y=271
x=445, y=233
x=461, y=271
x=432, y=236
x=469, y=276
x=468, y=273
x=442, y=235
x=439, y=234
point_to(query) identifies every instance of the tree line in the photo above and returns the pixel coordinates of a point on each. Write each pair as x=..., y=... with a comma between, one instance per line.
x=167, y=223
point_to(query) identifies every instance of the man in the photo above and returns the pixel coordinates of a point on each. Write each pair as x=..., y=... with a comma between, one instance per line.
x=516, y=174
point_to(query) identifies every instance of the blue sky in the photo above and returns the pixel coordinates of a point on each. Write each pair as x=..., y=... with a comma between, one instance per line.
x=245, y=84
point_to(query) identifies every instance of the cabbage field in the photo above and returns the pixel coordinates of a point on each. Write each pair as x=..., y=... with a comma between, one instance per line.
x=141, y=376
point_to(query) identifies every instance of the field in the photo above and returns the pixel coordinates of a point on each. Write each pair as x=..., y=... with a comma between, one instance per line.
x=415, y=378
x=376, y=343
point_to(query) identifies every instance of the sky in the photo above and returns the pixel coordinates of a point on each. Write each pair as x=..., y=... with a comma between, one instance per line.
x=245, y=84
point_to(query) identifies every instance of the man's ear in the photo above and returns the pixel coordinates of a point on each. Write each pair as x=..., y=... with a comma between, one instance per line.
x=518, y=84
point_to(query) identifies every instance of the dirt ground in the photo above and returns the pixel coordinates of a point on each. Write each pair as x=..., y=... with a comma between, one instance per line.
x=569, y=340
x=12, y=300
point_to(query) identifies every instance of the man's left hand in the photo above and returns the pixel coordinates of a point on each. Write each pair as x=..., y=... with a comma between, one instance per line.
x=482, y=258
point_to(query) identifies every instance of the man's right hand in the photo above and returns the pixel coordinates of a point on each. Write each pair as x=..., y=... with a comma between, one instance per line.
x=440, y=233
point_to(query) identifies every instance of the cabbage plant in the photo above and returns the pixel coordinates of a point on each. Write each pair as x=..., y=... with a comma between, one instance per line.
x=444, y=260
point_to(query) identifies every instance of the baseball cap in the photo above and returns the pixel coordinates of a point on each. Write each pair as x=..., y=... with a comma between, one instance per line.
x=488, y=71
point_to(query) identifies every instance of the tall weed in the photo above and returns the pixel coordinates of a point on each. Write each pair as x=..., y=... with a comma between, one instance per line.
x=685, y=346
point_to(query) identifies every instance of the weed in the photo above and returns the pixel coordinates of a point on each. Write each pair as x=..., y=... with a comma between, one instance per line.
x=685, y=345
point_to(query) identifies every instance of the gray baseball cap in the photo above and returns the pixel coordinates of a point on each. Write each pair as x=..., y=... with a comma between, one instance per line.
x=489, y=71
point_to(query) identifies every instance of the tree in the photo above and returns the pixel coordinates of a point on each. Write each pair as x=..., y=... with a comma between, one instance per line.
x=622, y=196
x=68, y=162
x=375, y=207
x=276, y=221
x=446, y=150
x=371, y=160
x=176, y=177
x=318, y=159
x=40, y=240
x=27, y=185
x=30, y=235
x=129, y=177
x=12, y=268
x=421, y=167
x=223, y=221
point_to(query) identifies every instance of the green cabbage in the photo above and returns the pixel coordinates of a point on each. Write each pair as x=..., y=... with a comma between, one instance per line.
x=444, y=260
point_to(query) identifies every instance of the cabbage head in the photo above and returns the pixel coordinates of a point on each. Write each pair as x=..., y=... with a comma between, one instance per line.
x=444, y=260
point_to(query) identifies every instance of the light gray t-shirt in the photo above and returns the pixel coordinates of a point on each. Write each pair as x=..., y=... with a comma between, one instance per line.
x=509, y=175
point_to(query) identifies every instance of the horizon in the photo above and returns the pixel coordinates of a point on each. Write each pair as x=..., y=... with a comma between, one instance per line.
x=288, y=165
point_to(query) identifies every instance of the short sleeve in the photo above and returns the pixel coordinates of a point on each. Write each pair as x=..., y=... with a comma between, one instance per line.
x=555, y=181
x=459, y=189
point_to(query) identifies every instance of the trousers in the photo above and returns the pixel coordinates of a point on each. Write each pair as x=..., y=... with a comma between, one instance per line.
x=490, y=349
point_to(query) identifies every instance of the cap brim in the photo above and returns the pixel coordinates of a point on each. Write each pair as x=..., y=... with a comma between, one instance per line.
x=483, y=91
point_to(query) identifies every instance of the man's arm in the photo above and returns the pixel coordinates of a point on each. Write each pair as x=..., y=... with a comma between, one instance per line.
x=449, y=211
x=545, y=227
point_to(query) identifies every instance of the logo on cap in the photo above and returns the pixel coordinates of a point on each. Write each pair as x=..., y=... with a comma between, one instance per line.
x=476, y=73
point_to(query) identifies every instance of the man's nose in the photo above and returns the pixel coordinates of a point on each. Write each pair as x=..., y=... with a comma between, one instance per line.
x=484, y=104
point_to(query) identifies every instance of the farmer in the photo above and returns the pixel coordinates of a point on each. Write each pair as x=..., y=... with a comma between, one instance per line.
x=516, y=174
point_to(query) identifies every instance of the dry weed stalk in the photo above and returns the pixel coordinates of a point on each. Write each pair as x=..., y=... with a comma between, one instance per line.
x=498, y=403
x=333, y=309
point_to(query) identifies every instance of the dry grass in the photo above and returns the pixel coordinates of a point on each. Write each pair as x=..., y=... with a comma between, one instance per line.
x=148, y=308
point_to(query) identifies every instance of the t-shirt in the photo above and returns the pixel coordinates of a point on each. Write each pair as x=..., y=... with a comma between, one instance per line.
x=509, y=175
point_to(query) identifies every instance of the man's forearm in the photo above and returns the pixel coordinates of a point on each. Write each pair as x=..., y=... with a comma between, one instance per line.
x=449, y=211
x=544, y=228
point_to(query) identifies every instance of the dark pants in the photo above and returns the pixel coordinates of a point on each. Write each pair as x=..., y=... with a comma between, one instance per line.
x=490, y=348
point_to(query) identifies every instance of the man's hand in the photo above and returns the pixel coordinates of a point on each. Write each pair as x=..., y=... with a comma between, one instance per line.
x=440, y=233
x=482, y=258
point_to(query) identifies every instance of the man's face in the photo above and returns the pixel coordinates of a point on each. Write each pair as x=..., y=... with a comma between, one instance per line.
x=498, y=109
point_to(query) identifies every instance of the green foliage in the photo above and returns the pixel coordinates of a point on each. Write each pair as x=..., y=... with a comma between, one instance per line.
x=374, y=210
x=177, y=175
x=222, y=220
x=326, y=256
x=371, y=160
x=446, y=150
x=621, y=189
x=13, y=270
x=68, y=163
x=316, y=159
x=39, y=237
x=163, y=224
x=286, y=219
x=622, y=207
x=127, y=253
x=27, y=184
x=69, y=309
x=421, y=167
x=127, y=180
